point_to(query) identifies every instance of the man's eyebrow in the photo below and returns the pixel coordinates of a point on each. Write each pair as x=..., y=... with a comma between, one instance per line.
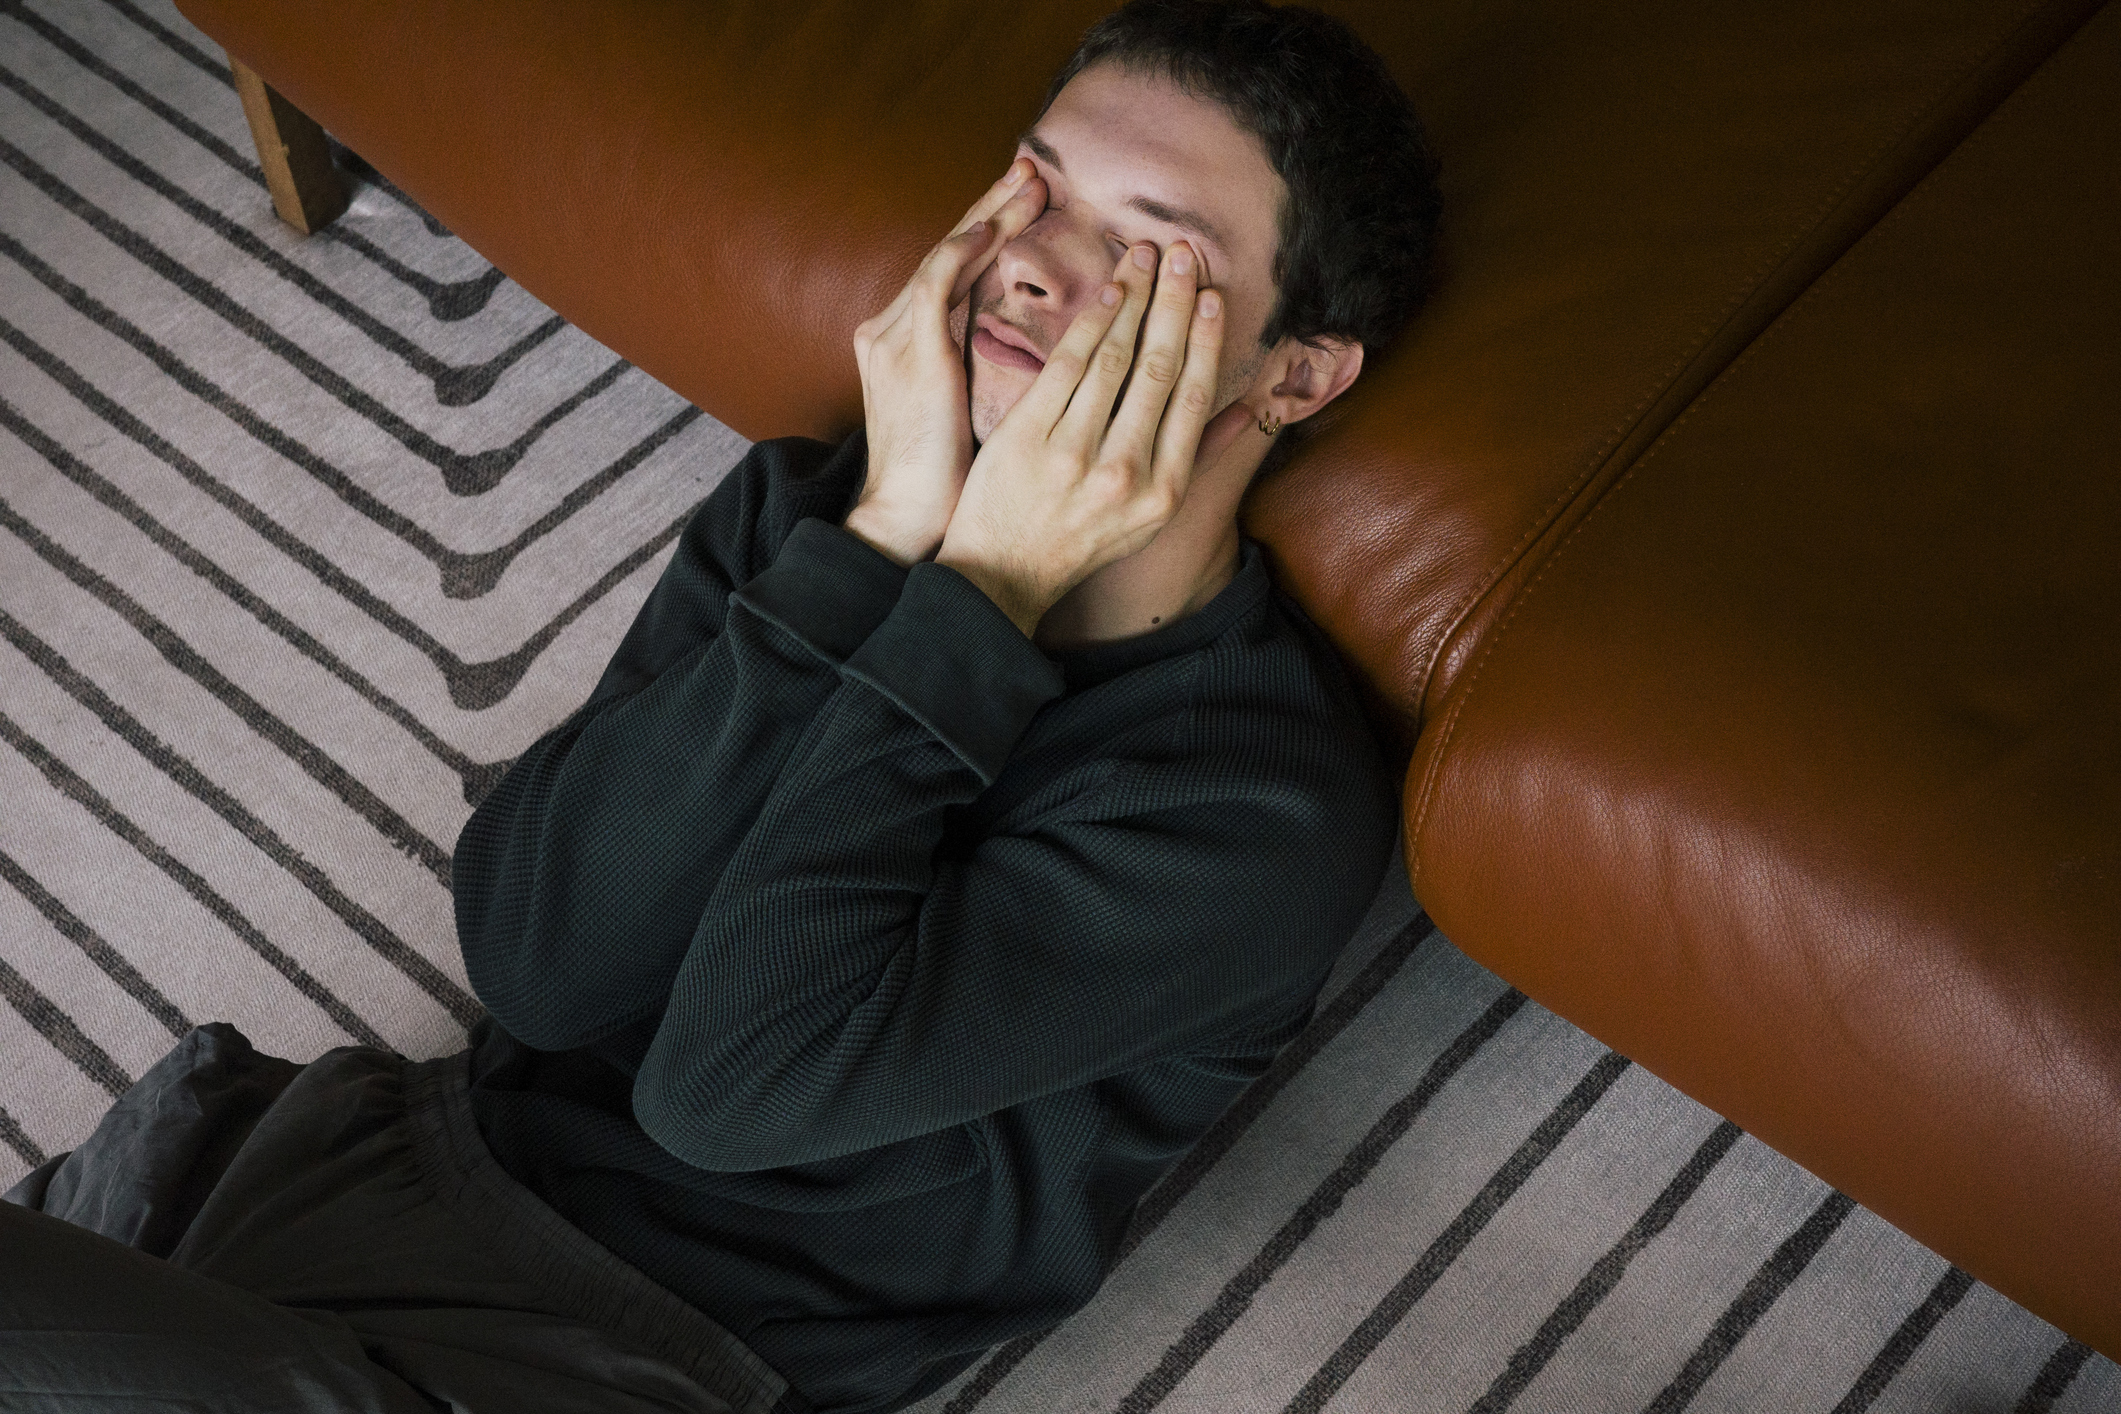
x=1155, y=210
x=1178, y=216
x=1042, y=150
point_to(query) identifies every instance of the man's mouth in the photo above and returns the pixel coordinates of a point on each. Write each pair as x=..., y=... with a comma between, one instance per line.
x=1004, y=346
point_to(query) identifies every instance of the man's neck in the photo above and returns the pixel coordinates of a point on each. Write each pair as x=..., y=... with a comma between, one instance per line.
x=1137, y=595
x=1191, y=560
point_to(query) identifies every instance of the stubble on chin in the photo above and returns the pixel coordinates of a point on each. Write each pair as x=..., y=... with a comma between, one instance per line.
x=987, y=409
x=991, y=394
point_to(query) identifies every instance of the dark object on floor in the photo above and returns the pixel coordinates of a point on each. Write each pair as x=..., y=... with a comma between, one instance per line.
x=257, y=1236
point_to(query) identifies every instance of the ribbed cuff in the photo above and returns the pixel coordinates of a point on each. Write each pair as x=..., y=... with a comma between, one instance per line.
x=827, y=588
x=950, y=658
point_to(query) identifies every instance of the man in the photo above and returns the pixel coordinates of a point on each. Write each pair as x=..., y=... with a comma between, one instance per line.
x=963, y=822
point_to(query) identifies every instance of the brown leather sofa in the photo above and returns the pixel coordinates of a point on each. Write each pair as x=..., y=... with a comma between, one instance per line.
x=1734, y=546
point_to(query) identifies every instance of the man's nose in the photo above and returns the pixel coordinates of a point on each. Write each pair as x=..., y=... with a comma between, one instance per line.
x=1051, y=269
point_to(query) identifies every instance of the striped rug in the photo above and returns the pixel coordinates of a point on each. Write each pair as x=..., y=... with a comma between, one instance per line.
x=301, y=540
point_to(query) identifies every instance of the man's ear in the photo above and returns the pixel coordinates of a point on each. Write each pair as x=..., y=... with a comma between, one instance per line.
x=1313, y=374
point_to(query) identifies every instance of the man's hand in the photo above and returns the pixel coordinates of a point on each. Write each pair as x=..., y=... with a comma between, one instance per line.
x=913, y=378
x=1065, y=486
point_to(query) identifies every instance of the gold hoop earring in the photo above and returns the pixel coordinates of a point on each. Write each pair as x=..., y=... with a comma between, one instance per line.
x=1269, y=423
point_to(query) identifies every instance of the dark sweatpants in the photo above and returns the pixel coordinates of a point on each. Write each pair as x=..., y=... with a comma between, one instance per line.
x=244, y=1234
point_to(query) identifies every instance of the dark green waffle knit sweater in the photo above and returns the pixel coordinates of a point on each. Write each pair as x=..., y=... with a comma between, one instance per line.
x=855, y=965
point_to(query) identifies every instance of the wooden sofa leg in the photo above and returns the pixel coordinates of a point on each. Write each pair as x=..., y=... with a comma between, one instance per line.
x=307, y=189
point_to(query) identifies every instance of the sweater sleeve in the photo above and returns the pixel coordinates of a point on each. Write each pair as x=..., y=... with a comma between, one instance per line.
x=850, y=987
x=580, y=880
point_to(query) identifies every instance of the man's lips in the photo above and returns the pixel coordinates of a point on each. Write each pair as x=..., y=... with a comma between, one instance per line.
x=1001, y=345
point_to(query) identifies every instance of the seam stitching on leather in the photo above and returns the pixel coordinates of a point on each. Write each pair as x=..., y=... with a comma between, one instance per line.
x=1984, y=133
x=1598, y=460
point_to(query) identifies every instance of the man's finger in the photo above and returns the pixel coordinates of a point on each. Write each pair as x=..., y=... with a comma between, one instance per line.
x=996, y=196
x=1024, y=205
x=947, y=275
x=1047, y=398
x=1090, y=410
x=1163, y=354
x=1179, y=443
x=928, y=292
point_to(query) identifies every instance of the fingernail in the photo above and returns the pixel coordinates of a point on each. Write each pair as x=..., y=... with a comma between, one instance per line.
x=1181, y=260
x=1109, y=294
x=1145, y=257
x=1014, y=175
x=1211, y=304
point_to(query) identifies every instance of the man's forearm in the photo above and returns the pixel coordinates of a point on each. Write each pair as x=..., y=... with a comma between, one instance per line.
x=759, y=1060
x=583, y=877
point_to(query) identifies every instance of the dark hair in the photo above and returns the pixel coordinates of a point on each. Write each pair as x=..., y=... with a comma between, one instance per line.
x=1359, y=224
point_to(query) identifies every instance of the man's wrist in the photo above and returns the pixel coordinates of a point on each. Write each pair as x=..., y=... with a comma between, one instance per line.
x=1024, y=606
x=871, y=525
